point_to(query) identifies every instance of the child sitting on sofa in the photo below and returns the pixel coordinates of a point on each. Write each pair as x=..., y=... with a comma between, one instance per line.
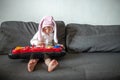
x=46, y=35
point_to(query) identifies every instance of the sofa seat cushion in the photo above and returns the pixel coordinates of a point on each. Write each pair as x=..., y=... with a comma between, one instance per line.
x=95, y=66
x=93, y=38
x=83, y=66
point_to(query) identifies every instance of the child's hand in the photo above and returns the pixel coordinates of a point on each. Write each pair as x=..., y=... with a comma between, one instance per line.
x=61, y=45
x=41, y=44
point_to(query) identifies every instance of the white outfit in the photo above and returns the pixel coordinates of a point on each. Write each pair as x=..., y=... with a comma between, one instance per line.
x=46, y=38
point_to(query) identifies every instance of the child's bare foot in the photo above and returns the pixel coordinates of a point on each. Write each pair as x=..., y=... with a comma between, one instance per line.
x=52, y=65
x=31, y=65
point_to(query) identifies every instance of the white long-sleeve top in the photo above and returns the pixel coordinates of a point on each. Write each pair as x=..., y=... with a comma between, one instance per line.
x=46, y=38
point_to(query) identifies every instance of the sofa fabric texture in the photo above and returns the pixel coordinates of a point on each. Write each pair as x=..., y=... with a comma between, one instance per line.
x=93, y=38
x=93, y=52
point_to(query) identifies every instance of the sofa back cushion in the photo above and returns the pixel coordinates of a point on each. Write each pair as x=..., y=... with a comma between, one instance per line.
x=92, y=38
x=19, y=33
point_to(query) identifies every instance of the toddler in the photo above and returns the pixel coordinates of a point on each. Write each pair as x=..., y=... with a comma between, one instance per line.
x=45, y=36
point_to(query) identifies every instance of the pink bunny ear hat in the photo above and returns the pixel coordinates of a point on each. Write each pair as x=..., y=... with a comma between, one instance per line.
x=47, y=21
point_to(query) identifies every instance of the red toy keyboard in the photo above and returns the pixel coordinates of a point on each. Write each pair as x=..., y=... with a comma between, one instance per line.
x=28, y=49
x=25, y=52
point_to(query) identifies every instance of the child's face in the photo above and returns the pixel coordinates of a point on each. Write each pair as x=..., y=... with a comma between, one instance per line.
x=47, y=29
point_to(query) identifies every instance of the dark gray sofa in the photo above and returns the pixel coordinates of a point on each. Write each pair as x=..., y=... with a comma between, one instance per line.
x=93, y=52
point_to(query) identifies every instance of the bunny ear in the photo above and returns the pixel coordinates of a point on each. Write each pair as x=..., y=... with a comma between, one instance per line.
x=55, y=32
x=48, y=18
x=39, y=29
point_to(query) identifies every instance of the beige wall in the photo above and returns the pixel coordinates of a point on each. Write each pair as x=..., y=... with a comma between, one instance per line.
x=70, y=11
